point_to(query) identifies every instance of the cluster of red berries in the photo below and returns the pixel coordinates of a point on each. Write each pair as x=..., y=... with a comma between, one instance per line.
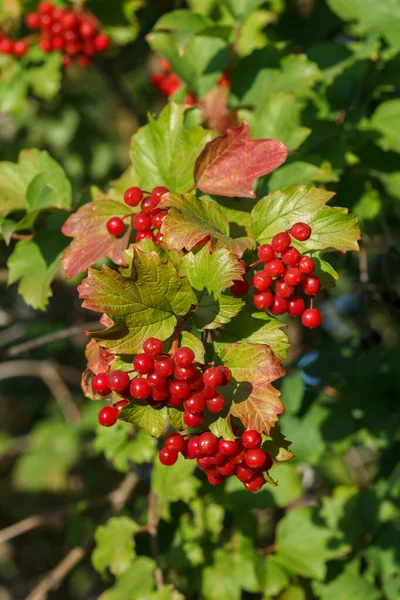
x=8, y=46
x=176, y=380
x=73, y=32
x=221, y=458
x=168, y=83
x=285, y=273
x=148, y=221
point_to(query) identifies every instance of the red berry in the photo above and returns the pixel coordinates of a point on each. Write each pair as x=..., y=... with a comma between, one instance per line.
x=292, y=276
x=275, y=268
x=180, y=389
x=244, y=473
x=228, y=447
x=159, y=238
x=70, y=20
x=208, y=392
x=296, y=306
x=144, y=235
x=118, y=381
x=240, y=287
x=83, y=60
x=143, y=363
x=311, y=285
x=6, y=46
x=227, y=373
x=263, y=300
x=226, y=469
x=255, y=484
x=32, y=20
x=174, y=401
x=87, y=30
x=157, y=219
x=140, y=388
x=193, y=420
x=261, y=281
x=216, y=404
x=183, y=357
x=57, y=43
x=213, y=377
x=281, y=242
x=255, y=458
x=195, y=404
x=115, y=226
x=149, y=205
x=283, y=289
x=306, y=265
x=120, y=405
x=167, y=457
x=20, y=48
x=208, y=443
x=251, y=439
x=157, y=381
x=66, y=61
x=159, y=191
x=300, y=231
x=175, y=441
x=265, y=253
x=279, y=305
x=152, y=347
x=184, y=373
x=291, y=257
x=215, y=479
x=45, y=45
x=268, y=462
x=193, y=446
x=100, y=385
x=311, y=318
x=102, y=42
x=46, y=8
x=239, y=456
x=219, y=459
x=133, y=196
x=142, y=221
x=46, y=21
x=196, y=382
x=164, y=366
x=108, y=416
x=206, y=462
x=159, y=395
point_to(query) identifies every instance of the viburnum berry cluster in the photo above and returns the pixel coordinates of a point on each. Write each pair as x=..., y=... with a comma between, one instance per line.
x=285, y=275
x=148, y=221
x=220, y=458
x=176, y=380
x=74, y=32
x=168, y=83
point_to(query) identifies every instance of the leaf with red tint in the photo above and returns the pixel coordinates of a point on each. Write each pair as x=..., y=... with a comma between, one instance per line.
x=215, y=109
x=254, y=400
x=230, y=164
x=98, y=361
x=92, y=241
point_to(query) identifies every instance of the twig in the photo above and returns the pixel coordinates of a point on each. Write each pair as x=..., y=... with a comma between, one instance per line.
x=152, y=525
x=50, y=337
x=11, y=334
x=33, y=522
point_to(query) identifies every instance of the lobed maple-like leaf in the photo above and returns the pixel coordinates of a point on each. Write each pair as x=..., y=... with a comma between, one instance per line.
x=215, y=109
x=254, y=400
x=230, y=164
x=92, y=241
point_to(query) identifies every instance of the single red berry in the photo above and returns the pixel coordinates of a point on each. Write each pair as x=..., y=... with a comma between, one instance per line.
x=208, y=443
x=196, y=382
x=193, y=446
x=87, y=30
x=311, y=285
x=283, y=289
x=240, y=287
x=108, y=416
x=143, y=363
x=58, y=14
x=174, y=401
x=291, y=257
x=261, y=281
x=184, y=373
x=159, y=191
x=45, y=45
x=175, y=441
x=192, y=419
x=180, y=389
x=142, y=221
x=255, y=458
x=300, y=231
x=208, y=392
x=159, y=238
x=115, y=226
x=215, y=479
x=164, y=366
x=6, y=46
x=100, y=385
x=306, y=265
x=159, y=395
x=206, y=463
x=275, y=268
x=194, y=404
x=292, y=276
x=219, y=459
x=239, y=456
x=83, y=60
x=226, y=469
x=56, y=29
x=213, y=377
x=311, y=318
x=66, y=61
x=267, y=463
x=158, y=218
x=118, y=406
x=263, y=300
x=186, y=453
x=57, y=43
x=228, y=447
x=32, y=20
x=149, y=205
x=118, y=381
x=296, y=306
x=46, y=21
x=281, y=242
x=133, y=196
x=251, y=439
x=152, y=347
x=45, y=8
x=244, y=473
x=265, y=253
x=140, y=388
x=167, y=457
x=20, y=48
x=227, y=373
x=70, y=20
x=101, y=42
x=144, y=235
x=183, y=357
x=279, y=305
x=70, y=36
x=157, y=381
x=216, y=404
x=255, y=484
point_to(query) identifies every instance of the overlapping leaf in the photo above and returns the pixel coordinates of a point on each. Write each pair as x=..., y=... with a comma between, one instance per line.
x=115, y=545
x=230, y=164
x=144, y=305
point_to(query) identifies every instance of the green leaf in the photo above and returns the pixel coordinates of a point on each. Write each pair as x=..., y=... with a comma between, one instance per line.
x=152, y=420
x=164, y=152
x=292, y=390
x=222, y=428
x=35, y=262
x=277, y=445
x=214, y=271
x=121, y=449
x=167, y=592
x=289, y=488
x=326, y=273
x=301, y=172
x=45, y=80
x=136, y=583
x=349, y=585
x=183, y=21
x=386, y=120
x=332, y=227
x=192, y=342
x=254, y=400
x=214, y=310
x=273, y=577
x=278, y=118
x=115, y=545
x=171, y=484
x=144, y=305
x=241, y=9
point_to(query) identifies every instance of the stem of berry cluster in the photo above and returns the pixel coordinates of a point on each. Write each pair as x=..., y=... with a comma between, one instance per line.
x=177, y=331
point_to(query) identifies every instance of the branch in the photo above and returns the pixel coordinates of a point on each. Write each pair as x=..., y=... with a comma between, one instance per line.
x=153, y=520
x=50, y=337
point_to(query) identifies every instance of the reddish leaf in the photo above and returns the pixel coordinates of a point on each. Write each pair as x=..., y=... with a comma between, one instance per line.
x=98, y=361
x=92, y=241
x=230, y=164
x=215, y=109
